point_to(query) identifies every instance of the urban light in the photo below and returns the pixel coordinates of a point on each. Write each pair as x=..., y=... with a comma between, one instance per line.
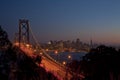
x=69, y=57
x=46, y=49
x=41, y=53
x=35, y=50
x=64, y=62
x=27, y=45
x=17, y=43
x=56, y=52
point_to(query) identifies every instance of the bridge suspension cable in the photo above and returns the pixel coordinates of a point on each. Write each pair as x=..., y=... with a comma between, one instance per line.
x=28, y=30
x=37, y=43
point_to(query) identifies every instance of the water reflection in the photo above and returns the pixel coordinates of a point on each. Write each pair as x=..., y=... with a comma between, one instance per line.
x=63, y=56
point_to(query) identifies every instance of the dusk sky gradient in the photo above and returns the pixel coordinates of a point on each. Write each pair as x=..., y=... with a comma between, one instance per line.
x=64, y=19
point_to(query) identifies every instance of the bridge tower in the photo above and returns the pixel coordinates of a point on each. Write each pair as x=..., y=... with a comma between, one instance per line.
x=24, y=31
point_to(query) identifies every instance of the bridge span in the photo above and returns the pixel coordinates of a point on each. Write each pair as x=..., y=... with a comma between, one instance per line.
x=58, y=69
x=49, y=64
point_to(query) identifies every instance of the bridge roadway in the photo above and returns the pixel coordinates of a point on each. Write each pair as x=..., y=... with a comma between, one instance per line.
x=56, y=68
x=51, y=65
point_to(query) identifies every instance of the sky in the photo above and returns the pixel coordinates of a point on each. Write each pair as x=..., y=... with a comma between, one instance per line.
x=98, y=20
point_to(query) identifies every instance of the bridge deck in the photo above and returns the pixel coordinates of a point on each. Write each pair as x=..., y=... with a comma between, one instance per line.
x=50, y=65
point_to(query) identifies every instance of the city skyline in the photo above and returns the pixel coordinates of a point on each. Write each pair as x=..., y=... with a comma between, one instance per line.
x=64, y=19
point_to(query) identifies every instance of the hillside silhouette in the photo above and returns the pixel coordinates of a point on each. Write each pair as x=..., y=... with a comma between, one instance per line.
x=101, y=63
x=16, y=65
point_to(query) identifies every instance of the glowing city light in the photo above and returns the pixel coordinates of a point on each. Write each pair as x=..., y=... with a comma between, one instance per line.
x=56, y=52
x=41, y=53
x=69, y=57
x=46, y=49
x=64, y=62
x=27, y=45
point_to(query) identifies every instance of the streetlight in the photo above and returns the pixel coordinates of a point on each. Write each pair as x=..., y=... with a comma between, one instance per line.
x=69, y=57
x=27, y=45
x=56, y=52
x=66, y=69
x=17, y=43
x=41, y=53
x=35, y=50
x=64, y=63
x=46, y=49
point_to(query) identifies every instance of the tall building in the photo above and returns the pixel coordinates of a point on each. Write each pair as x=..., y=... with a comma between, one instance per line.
x=91, y=44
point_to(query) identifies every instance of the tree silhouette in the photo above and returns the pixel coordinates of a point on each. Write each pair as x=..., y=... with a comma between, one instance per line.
x=102, y=63
x=16, y=65
x=4, y=41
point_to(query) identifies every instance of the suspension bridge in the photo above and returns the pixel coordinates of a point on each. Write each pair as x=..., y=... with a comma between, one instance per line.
x=22, y=40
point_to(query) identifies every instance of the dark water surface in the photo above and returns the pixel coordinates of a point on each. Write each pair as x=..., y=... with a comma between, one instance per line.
x=63, y=56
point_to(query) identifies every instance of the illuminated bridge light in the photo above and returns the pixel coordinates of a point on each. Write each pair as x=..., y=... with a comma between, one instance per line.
x=41, y=53
x=17, y=43
x=46, y=49
x=27, y=45
x=56, y=52
x=64, y=63
x=69, y=57
x=35, y=50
